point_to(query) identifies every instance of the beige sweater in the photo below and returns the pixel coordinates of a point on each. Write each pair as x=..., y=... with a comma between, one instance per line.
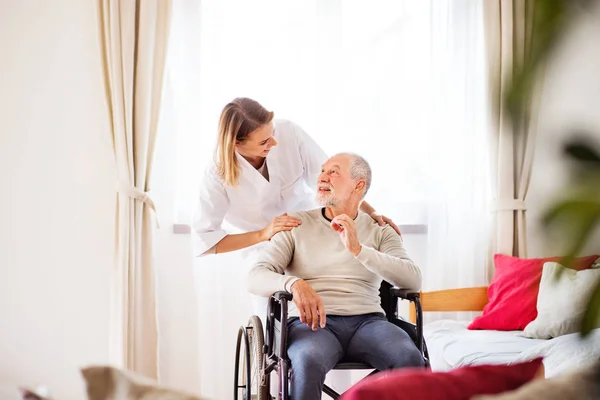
x=314, y=252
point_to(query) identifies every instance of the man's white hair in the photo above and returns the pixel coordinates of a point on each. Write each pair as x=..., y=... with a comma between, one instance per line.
x=359, y=168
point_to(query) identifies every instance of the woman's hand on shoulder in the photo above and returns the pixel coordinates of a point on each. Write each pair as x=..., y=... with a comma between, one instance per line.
x=281, y=223
x=382, y=220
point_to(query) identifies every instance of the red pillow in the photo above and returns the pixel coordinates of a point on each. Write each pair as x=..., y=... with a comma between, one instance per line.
x=457, y=384
x=514, y=290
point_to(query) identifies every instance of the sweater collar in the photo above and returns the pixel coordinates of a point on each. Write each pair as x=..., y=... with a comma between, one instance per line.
x=325, y=216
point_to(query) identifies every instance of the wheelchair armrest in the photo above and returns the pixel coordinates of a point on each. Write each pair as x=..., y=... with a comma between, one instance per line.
x=281, y=295
x=404, y=294
x=414, y=297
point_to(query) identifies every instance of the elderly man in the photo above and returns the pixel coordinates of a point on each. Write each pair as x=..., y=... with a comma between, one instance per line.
x=333, y=264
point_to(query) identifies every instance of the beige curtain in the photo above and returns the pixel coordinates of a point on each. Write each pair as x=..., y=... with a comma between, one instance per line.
x=508, y=28
x=134, y=38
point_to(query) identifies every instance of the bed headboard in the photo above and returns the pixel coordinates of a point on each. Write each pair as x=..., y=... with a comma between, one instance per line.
x=463, y=299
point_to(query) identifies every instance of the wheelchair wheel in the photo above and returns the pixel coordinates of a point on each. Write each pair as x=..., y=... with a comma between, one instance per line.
x=249, y=380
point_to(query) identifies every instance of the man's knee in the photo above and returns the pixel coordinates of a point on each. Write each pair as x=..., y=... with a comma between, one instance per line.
x=398, y=349
x=406, y=355
x=310, y=361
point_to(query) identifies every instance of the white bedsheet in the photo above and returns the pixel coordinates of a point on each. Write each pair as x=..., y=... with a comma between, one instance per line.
x=565, y=353
x=452, y=345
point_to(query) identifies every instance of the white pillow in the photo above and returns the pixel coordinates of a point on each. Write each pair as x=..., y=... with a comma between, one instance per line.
x=561, y=302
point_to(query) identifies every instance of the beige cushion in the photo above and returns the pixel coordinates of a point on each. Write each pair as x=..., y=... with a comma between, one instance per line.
x=109, y=383
x=561, y=302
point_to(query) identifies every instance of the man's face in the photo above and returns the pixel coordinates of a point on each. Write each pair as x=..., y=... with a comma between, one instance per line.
x=335, y=186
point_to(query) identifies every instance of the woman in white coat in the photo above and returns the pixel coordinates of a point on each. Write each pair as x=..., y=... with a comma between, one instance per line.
x=264, y=168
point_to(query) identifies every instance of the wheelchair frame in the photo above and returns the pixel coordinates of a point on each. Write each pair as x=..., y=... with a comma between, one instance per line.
x=274, y=349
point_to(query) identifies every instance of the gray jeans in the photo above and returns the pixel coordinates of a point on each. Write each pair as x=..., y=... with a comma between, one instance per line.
x=367, y=338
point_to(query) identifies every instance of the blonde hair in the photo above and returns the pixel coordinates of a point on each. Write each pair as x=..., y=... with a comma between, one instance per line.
x=239, y=118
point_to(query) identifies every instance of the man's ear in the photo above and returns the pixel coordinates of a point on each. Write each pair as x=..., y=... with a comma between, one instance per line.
x=360, y=186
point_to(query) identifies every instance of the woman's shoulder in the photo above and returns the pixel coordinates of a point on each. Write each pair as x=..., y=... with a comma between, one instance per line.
x=210, y=174
x=288, y=133
x=286, y=128
x=283, y=124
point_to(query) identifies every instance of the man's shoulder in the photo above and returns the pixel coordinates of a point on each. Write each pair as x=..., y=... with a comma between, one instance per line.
x=313, y=214
x=385, y=232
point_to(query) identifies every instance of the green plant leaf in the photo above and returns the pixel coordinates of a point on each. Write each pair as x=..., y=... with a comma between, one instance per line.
x=570, y=210
x=580, y=150
x=592, y=311
x=579, y=217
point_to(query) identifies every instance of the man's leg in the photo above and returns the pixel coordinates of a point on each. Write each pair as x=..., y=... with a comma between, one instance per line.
x=383, y=345
x=312, y=355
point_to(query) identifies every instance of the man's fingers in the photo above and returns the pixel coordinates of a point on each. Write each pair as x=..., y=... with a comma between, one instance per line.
x=345, y=224
x=322, y=314
x=343, y=219
x=336, y=227
x=301, y=312
x=307, y=314
x=315, y=315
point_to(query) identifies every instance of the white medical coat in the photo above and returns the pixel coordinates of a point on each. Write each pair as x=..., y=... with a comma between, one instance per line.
x=294, y=165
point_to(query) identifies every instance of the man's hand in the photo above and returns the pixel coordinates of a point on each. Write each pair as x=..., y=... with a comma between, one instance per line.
x=346, y=227
x=309, y=304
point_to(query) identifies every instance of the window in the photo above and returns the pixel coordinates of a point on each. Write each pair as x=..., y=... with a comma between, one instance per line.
x=384, y=81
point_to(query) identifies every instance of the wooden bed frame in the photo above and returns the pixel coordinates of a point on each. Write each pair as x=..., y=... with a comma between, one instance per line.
x=463, y=299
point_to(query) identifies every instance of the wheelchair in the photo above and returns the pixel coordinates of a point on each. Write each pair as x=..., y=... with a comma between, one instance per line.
x=259, y=353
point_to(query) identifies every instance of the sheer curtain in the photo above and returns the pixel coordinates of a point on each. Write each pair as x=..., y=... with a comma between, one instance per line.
x=400, y=82
x=458, y=173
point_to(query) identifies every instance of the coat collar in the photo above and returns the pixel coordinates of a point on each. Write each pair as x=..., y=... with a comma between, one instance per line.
x=251, y=174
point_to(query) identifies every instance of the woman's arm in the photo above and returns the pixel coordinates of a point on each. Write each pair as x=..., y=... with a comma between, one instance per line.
x=381, y=219
x=366, y=208
x=242, y=240
x=238, y=241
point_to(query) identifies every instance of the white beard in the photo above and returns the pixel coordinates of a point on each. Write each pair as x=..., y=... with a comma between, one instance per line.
x=327, y=200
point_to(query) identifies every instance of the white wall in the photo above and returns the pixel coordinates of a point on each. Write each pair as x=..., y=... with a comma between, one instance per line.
x=570, y=102
x=56, y=195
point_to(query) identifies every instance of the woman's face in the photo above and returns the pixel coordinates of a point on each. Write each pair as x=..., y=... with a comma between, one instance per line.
x=258, y=143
